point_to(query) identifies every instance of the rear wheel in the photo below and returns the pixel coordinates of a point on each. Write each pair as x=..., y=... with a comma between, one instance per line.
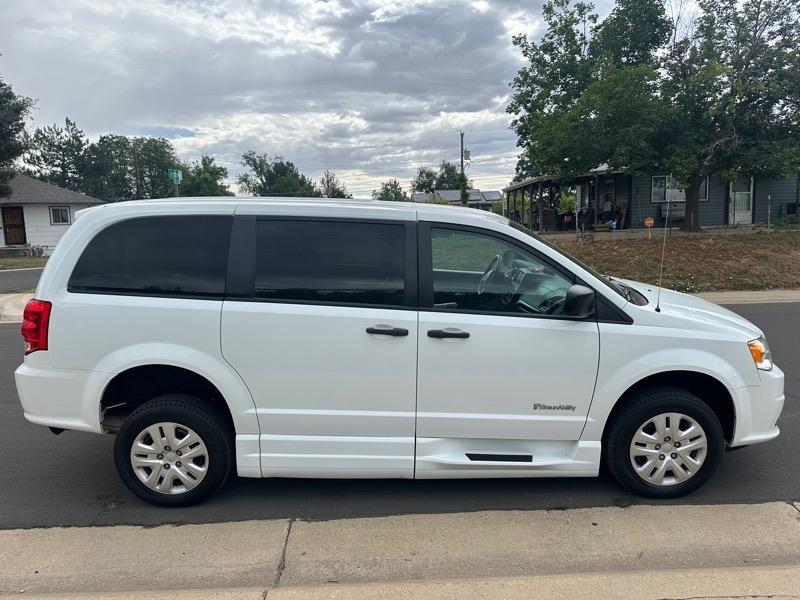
x=173, y=451
x=664, y=444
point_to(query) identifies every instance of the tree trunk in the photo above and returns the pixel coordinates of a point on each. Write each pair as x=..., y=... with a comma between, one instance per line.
x=691, y=221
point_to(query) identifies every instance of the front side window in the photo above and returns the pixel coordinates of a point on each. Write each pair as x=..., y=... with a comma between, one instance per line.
x=157, y=256
x=59, y=215
x=478, y=272
x=331, y=262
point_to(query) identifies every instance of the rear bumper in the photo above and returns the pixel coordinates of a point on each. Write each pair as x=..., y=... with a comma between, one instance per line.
x=758, y=408
x=57, y=397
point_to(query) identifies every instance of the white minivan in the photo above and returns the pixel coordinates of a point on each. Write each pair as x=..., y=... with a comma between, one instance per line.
x=320, y=338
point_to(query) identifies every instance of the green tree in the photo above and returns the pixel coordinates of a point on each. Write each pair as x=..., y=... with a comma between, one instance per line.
x=331, y=187
x=424, y=180
x=120, y=168
x=732, y=91
x=448, y=177
x=391, y=191
x=55, y=154
x=633, y=31
x=108, y=168
x=204, y=178
x=559, y=68
x=151, y=159
x=716, y=99
x=14, y=109
x=274, y=176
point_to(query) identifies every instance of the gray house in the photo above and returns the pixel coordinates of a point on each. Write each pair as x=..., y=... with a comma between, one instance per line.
x=604, y=195
x=477, y=199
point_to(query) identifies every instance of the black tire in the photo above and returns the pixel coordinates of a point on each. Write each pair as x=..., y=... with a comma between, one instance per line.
x=193, y=413
x=647, y=404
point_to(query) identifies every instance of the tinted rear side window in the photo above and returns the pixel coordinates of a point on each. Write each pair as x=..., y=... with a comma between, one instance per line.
x=331, y=261
x=158, y=256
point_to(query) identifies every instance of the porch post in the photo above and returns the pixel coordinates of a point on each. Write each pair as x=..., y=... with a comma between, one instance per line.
x=540, y=204
x=530, y=209
x=514, y=207
x=596, y=199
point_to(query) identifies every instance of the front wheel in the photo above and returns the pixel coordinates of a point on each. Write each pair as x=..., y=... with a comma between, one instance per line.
x=664, y=444
x=173, y=451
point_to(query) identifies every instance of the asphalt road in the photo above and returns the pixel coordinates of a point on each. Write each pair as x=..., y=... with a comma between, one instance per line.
x=19, y=280
x=69, y=480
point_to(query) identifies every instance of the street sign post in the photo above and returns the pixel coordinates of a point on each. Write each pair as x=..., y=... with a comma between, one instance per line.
x=649, y=222
x=175, y=176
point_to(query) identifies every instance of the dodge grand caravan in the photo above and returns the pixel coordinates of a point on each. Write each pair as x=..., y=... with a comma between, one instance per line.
x=313, y=338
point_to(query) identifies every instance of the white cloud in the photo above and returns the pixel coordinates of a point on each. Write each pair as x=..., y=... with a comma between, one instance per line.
x=368, y=88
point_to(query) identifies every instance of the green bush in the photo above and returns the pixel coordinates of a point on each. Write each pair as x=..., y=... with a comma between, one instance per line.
x=566, y=203
x=789, y=222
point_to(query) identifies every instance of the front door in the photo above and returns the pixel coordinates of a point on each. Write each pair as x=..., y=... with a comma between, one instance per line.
x=14, y=226
x=504, y=381
x=325, y=337
x=740, y=208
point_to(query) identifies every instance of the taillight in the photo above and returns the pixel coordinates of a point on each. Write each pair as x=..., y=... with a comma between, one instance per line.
x=35, y=321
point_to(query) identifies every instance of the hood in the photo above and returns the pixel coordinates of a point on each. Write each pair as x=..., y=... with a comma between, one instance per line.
x=691, y=308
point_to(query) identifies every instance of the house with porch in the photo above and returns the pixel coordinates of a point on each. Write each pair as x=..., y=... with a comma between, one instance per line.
x=606, y=196
x=476, y=198
x=36, y=214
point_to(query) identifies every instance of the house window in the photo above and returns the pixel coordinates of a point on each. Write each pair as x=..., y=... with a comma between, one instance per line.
x=663, y=188
x=59, y=215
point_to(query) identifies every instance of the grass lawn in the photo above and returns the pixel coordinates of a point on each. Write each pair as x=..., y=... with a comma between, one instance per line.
x=702, y=262
x=22, y=262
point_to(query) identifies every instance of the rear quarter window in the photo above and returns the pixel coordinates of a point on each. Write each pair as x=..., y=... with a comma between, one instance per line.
x=183, y=256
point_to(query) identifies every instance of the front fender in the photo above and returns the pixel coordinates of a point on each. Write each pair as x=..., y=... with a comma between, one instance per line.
x=618, y=373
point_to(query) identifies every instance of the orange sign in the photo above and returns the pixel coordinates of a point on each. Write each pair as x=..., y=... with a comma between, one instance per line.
x=649, y=221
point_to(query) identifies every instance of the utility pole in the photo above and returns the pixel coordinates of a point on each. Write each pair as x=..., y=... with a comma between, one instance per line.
x=462, y=152
x=464, y=196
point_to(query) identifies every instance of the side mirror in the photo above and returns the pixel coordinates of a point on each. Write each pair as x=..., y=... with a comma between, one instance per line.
x=579, y=302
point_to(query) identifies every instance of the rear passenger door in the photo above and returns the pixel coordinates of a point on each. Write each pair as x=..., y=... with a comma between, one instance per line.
x=322, y=327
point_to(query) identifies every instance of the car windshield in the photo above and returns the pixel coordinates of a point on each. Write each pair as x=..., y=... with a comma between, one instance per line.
x=619, y=288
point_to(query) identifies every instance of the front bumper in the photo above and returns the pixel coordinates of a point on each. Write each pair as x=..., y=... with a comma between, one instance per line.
x=758, y=408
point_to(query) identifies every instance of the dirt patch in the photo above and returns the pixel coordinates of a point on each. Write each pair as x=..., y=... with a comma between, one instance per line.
x=702, y=262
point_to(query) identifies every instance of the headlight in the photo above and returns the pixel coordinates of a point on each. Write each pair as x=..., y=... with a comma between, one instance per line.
x=760, y=353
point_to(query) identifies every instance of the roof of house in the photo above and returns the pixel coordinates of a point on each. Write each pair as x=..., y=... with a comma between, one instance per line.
x=455, y=196
x=27, y=190
x=602, y=169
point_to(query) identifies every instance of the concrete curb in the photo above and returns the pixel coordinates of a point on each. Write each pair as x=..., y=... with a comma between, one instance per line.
x=748, y=582
x=21, y=269
x=416, y=553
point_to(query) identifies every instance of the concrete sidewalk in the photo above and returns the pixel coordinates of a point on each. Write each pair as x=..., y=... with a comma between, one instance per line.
x=751, y=296
x=473, y=555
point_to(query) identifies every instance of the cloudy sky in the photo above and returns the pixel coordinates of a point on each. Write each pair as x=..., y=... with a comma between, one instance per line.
x=368, y=88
